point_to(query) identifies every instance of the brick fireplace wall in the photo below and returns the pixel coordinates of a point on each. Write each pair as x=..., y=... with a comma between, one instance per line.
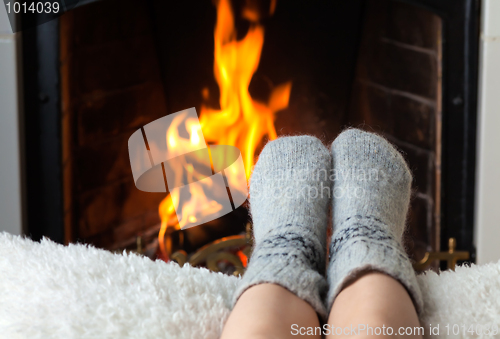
x=397, y=92
x=110, y=87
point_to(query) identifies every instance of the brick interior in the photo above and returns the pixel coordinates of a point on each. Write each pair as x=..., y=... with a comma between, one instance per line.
x=396, y=92
x=112, y=85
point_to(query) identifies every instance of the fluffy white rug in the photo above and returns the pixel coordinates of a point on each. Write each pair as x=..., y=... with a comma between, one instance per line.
x=52, y=291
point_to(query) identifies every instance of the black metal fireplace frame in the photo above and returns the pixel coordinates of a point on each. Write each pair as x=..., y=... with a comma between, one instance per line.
x=460, y=73
x=42, y=112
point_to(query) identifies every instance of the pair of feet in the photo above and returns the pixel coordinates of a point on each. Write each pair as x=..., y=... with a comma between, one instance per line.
x=295, y=181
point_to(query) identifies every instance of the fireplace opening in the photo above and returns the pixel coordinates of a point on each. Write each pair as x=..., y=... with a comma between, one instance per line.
x=384, y=66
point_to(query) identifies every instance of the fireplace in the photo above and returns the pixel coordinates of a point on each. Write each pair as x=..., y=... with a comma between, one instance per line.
x=406, y=69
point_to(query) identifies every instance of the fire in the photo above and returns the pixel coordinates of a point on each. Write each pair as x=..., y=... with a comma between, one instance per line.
x=241, y=121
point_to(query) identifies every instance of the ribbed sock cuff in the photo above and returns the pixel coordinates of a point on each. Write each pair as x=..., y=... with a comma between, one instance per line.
x=291, y=257
x=365, y=243
x=307, y=284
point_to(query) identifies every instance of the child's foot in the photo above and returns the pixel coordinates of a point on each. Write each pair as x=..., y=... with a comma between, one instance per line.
x=289, y=195
x=371, y=195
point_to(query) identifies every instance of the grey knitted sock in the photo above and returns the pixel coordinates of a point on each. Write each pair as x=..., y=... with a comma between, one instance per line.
x=371, y=194
x=289, y=195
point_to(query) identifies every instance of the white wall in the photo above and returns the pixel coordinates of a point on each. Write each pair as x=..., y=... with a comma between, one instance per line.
x=10, y=168
x=487, y=223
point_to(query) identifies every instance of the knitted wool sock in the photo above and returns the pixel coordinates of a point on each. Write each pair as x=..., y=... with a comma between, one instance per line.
x=371, y=194
x=289, y=198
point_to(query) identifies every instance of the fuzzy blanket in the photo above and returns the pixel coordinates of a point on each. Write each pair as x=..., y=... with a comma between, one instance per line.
x=53, y=291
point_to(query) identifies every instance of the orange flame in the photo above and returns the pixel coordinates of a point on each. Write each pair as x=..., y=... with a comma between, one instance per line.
x=241, y=121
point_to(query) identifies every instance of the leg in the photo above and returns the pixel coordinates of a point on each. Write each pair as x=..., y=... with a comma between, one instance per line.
x=371, y=279
x=375, y=300
x=284, y=281
x=268, y=311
